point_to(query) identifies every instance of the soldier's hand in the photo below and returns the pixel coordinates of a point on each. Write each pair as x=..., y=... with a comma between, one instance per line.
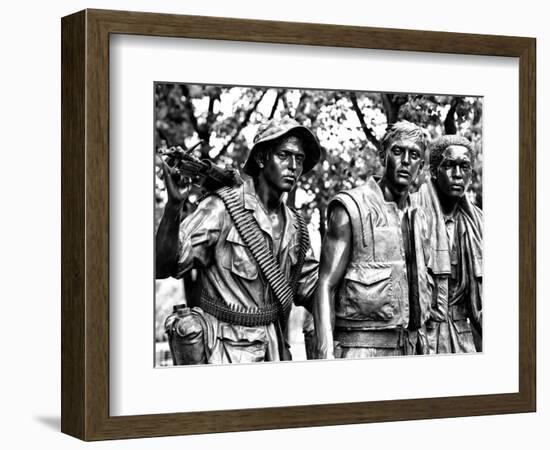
x=236, y=175
x=324, y=354
x=324, y=350
x=176, y=186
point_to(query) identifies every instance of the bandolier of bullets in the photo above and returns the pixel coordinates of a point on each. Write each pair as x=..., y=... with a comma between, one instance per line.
x=254, y=240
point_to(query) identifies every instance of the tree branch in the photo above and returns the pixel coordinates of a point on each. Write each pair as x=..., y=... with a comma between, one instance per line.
x=392, y=104
x=205, y=130
x=285, y=104
x=243, y=124
x=388, y=107
x=450, y=123
x=188, y=104
x=368, y=132
x=280, y=92
x=300, y=105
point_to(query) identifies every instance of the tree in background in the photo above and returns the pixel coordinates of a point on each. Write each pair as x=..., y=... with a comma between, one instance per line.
x=349, y=126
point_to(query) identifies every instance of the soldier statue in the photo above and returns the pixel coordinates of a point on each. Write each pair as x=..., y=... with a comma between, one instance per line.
x=457, y=236
x=251, y=250
x=375, y=286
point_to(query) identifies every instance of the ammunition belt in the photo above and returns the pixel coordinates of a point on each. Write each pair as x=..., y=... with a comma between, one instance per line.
x=238, y=315
x=252, y=236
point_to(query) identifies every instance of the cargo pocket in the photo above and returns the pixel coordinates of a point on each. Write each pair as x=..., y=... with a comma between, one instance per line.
x=368, y=292
x=462, y=326
x=242, y=344
x=239, y=259
x=465, y=338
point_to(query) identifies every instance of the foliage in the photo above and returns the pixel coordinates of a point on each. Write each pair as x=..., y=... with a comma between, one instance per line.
x=349, y=126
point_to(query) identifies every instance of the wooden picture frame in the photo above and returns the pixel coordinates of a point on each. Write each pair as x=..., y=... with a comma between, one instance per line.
x=85, y=224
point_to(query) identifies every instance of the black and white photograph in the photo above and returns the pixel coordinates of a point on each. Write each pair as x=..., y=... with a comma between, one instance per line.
x=299, y=224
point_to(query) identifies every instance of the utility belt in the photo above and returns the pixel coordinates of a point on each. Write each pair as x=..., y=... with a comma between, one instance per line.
x=395, y=338
x=238, y=315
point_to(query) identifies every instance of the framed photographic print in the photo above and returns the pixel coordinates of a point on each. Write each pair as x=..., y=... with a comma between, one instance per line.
x=270, y=224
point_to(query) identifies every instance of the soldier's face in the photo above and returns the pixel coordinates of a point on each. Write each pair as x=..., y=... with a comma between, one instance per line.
x=454, y=172
x=404, y=160
x=284, y=164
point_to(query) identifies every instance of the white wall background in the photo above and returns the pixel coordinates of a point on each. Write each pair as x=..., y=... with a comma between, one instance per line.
x=30, y=229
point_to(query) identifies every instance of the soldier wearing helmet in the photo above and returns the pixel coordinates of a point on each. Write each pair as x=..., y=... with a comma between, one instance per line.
x=235, y=321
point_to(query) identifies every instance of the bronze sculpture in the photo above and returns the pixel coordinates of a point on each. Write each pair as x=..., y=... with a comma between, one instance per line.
x=375, y=287
x=458, y=240
x=252, y=251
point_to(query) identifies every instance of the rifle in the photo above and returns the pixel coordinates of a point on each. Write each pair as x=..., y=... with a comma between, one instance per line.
x=201, y=172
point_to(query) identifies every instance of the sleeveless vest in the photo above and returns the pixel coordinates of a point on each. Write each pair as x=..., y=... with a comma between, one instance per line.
x=375, y=294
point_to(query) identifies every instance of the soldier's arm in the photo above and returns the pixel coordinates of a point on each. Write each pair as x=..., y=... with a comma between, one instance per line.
x=166, y=244
x=194, y=239
x=335, y=256
x=167, y=240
